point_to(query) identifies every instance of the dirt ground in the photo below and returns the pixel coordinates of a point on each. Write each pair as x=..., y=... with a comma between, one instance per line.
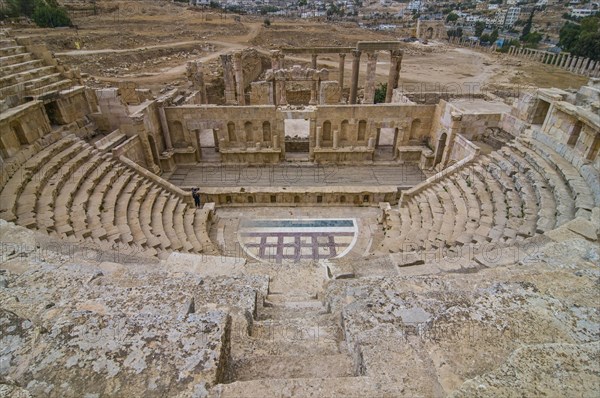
x=150, y=43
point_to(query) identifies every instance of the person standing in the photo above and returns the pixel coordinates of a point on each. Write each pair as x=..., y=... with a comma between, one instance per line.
x=196, y=196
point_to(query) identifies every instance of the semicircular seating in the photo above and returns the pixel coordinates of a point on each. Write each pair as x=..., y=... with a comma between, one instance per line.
x=73, y=191
x=523, y=189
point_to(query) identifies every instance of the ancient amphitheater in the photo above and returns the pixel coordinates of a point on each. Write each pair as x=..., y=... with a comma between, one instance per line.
x=435, y=244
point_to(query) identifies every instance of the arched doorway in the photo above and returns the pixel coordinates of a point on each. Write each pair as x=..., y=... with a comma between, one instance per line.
x=429, y=33
x=266, y=129
x=327, y=131
x=414, y=130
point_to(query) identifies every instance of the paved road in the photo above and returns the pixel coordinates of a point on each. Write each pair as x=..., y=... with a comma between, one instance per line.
x=297, y=175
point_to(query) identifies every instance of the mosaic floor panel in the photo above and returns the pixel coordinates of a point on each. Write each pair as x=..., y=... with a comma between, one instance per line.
x=297, y=240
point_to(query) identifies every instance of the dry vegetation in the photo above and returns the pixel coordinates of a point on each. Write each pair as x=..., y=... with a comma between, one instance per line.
x=160, y=37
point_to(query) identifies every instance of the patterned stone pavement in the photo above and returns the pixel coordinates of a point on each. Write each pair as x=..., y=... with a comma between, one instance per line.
x=296, y=175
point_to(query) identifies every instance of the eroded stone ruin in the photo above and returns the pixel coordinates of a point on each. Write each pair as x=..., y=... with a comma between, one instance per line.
x=459, y=255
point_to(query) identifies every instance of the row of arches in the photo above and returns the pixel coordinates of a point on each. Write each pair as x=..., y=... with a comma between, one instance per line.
x=361, y=134
x=249, y=132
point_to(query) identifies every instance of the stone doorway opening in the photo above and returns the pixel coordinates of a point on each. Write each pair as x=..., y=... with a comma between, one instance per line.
x=385, y=143
x=297, y=139
x=209, y=145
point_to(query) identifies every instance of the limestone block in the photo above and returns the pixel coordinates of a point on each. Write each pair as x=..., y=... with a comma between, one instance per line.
x=330, y=92
x=261, y=93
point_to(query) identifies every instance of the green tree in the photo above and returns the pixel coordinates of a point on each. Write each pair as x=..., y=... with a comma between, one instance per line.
x=494, y=36
x=582, y=39
x=50, y=15
x=527, y=27
x=532, y=39
x=380, y=93
x=267, y=22
x=452, y=17
x=588, y=46
x=479, y=27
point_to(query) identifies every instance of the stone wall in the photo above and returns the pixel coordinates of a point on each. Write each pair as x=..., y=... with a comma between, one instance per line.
x=575, y=127
x=21, y=126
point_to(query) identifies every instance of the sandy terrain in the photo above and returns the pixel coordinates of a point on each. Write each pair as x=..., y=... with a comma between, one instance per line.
x=151, y=42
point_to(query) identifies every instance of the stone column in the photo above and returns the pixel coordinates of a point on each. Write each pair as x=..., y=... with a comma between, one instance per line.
x=341, y=67
x=239, y=77
x=313, y=93
x=393, y=77
x=336, y=137
x=276, y=63
x=370, y=82
x=574, y=61
x=581, y=65
x=228, y=79
x=164, y=127
x=557, y=59
x=318, y=138
x=565, y=61
x=283, y=94
x=355, y=70
x=591, y=68
x=313, y=89
x=275, y=139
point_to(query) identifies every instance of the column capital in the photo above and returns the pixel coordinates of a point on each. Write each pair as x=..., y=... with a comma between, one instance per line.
x=396, y=53
x=356, y=53
x=342, y=55
x=372, y=56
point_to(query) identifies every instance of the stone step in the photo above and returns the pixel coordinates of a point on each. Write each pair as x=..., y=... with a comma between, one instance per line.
x=23, y=76
x=288, y=311
x=167, y=219
x=291, y=367
x=12, y=50
x=7, y=69
x=565, y=204
x=120, y=211
x=111, y=198
x=133, y=213
x=65, y=212
x=157, y=220
x=7, y=43
x=188, y=224
x=57, y=85
x=145, y=215
x=16, y=184
x=15, y=59
x=178, y=226
x=283, y=342
x=32, y=189
x=29, y=87
x=578, y=187
x=94, y=207
x=47, y=212
x=314, y=387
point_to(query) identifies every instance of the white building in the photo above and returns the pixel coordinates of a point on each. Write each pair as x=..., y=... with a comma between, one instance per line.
x=581, y=12
x=512, y=15
x=499, y=18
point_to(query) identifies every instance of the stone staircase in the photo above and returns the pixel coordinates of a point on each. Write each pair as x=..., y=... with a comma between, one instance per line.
x=293, y=343
x=22, y=74
x=71, y=190
x=523, y=189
